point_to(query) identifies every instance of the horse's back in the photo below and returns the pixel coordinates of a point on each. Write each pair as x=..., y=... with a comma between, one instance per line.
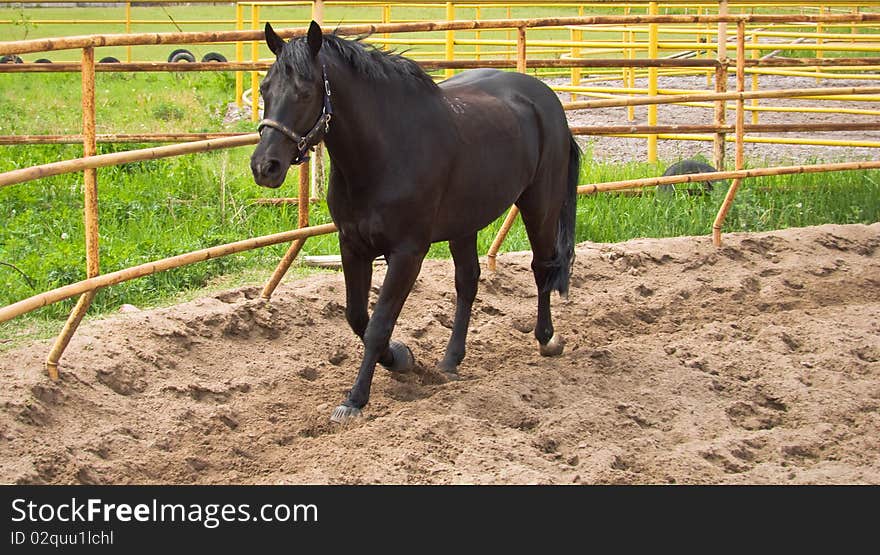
x=510, y=129
x=516, y=90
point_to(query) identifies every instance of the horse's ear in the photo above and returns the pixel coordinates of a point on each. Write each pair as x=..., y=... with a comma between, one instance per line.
x=275, y=42
x=316, y=38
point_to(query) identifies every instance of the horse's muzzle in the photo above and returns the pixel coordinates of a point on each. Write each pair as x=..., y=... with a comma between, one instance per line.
x=268, y=172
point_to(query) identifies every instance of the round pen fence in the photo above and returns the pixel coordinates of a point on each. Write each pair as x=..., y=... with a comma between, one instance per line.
x=710, y=59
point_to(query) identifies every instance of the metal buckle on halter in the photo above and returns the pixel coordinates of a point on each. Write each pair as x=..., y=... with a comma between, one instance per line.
x=306, y=142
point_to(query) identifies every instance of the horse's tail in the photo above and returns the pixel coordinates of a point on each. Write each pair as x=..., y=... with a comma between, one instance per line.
x=560, y=272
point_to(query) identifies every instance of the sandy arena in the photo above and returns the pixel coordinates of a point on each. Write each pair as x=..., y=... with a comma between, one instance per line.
x=756, y=363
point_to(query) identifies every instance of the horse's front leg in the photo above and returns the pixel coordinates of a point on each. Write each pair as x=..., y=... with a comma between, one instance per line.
x=403, y=269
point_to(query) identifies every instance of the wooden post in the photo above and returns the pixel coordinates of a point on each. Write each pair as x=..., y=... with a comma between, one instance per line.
x=90, y=213
x=317, y=162
x=502, y=234
x=521, y=50
x=652, y=82
x=297, y=245
x=721, y=87
x=740, y=127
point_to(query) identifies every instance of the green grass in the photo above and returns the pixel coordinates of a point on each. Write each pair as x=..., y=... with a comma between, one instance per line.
x=150, y=210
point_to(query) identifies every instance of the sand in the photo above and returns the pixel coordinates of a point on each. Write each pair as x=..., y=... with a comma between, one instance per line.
x=755, y=363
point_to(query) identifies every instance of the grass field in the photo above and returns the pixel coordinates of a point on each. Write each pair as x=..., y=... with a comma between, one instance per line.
x=151, y=210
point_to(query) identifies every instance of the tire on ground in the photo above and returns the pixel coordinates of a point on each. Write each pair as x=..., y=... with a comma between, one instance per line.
x=214, y=57
x=181, y=55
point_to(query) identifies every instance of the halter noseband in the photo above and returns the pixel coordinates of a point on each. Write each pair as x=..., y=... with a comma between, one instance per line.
x=306, y=142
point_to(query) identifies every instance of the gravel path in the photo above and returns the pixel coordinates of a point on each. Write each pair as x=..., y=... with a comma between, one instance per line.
x=628, y=149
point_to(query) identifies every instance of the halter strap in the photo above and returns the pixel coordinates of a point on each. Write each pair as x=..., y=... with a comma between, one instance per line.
x=306, y=142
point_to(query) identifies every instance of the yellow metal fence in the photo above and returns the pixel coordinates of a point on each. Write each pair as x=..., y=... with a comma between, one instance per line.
x=718, y=65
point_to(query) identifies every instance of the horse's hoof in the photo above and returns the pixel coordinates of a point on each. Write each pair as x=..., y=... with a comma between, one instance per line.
x=448, y=370
x=344, y=414
x=402, y=358
x=553, y=348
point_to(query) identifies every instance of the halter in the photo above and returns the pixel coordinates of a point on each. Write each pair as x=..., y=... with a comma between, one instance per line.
x=304, y=143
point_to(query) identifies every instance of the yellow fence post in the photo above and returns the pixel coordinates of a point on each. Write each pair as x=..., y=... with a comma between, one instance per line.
x=255, y=57
x=756, y=54
x=128, y=30
x=631, y=81
x=720, y=87
x=239, y=56
x=652, y=82
x=478, y=12
x=90, y=213
x=450, y=38
x=819, y=40
x=576, y=36
x=386, y=18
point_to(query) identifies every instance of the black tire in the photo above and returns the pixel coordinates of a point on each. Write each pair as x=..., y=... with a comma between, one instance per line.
x=686, y=167
x=108, y=60
x=11, y=59
x=43, y=61
x=181, y=55
x=214, y=57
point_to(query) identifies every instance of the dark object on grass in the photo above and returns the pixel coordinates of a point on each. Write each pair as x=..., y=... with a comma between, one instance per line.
x=42, y=61
x=415, y=163
x=11, y=59
x=108, y=60
x=181, y=55
x=214, y=57
x=687, y=167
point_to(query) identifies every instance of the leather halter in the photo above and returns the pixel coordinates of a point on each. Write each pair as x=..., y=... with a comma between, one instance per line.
x=304, y=143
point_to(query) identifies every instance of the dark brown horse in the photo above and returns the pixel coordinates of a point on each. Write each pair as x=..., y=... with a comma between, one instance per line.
x=414, y=163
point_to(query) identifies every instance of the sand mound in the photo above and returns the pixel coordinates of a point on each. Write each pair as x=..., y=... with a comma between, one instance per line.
x=755, y=363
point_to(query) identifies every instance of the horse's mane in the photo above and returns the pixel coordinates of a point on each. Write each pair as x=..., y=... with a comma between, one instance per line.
x=369, y=61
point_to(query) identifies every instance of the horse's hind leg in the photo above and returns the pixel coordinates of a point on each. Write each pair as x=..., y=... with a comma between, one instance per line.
x=467, y=274
x=541, y=223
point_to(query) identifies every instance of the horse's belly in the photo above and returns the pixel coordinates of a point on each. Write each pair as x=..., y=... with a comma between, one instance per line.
x=477, y=199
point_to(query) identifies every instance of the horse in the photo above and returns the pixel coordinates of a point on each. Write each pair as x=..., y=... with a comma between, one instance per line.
x=414, y=162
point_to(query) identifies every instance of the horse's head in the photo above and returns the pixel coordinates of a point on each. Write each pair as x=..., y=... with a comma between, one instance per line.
x=297, y=106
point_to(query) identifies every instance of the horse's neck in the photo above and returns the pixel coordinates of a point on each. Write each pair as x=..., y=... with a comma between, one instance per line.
x=369, y=117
